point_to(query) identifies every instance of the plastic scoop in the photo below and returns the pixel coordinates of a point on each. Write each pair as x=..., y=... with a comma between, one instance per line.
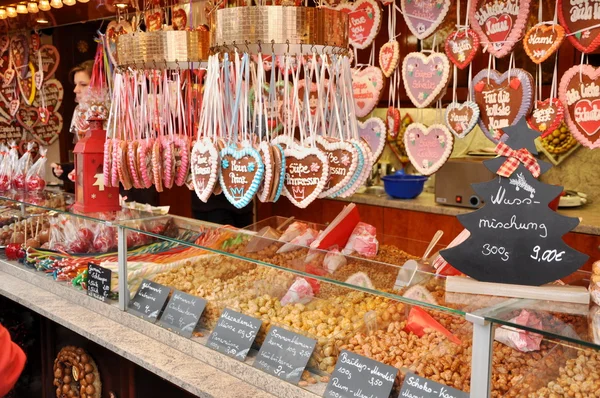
x=408, y=273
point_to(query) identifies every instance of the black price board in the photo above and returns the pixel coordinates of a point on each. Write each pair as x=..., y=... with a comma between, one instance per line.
x=149, y=300
x=234, y=334
x=182, y=313
x=358, y=376
x=98, y=281
x=285, y=354
x=419, y=387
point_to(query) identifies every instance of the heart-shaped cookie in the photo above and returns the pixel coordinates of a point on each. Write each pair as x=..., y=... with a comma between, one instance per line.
x=19, y=50
x=50, y=60
x=392, y=118
x=389, y=55
x=9, y=77
x=581, y=21
x=54, y=94
x=499, y=24
x=306, y=173
x=461, y=118
x=343, y=161
x=503, y=99
x=27, y=117
x=242, y=171
x=373, y=132
x=153, y=19
x=179, y=18
x=546, y=116
x=579, y=92
x=27, y=89
x=13, y=106
x=461, y=47
x=113, y=31
x=48, y=133
x=356, y=181
x=423, y=17
x=541, y=41
x=364, y=21
x=35, y=40
x=313, y=96
x=425, y=77
x=428, y=148
x=367, y=86
x=204, y=168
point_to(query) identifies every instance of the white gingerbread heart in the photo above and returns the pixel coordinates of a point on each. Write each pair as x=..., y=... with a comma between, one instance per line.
x=367, y=86
x=428, y=148
x=204, y=168
x=373, y=132
x=423, y=17
x=425, y=77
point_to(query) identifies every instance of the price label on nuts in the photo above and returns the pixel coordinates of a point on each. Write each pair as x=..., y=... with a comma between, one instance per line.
x=182, y=313
x=419, y=387
x=234, y=334
x=149, y=300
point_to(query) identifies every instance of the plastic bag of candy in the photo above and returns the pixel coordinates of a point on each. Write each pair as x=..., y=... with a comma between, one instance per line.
x=23, y=166
x=300, y=292
x=8, y=166
x=519, y=339
x=56, y=238
x=35, y=176
x=105, y=239
x=363, y=241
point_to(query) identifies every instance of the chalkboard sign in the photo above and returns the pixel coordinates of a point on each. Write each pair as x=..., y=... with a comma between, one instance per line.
x=419, y=387
x=284, y=354
x=234, y=334
x=358, y=376
x=182, y=313
x=149, y=300
x=98, y=281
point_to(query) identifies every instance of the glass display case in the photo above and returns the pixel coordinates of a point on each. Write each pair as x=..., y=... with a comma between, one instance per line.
x=371, y=306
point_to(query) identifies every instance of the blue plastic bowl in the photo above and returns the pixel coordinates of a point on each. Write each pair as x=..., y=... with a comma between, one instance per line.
x=403, y=186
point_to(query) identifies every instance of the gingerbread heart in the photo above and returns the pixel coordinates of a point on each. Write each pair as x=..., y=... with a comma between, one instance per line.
x=27, y=89
x=499, y=24
x=242, y=171
x=392, y=117
x=153, y=20
x=423, y=17
x=343, y=161
x=35, y=42
x=364, y=21
x=428, y=148
x=367, y=86
x=48, y=133
x=54, y=94
x=50, y=60
x=179, y=18
x=204, y=168
x=425, y=77
x=503, y=99
x=27, y=117
x=10, y=131
x=461, y=118
x=363, y=162
x=38, y=78
x=310, y=95
x=546, y=116
x=541, y=41
x=389, y=55
x=373, y=132
x=19, y=50
x=9, y=77
x=113, y=31
x=306, y=173
x=578, y=91
x=13, y=106
x=581, y=22
x=461, y=47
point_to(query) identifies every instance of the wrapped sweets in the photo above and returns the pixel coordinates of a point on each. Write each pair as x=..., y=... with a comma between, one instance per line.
x=363, y=241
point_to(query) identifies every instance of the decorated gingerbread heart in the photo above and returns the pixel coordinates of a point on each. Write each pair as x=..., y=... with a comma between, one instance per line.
x=50, y=60
x=546, y=116
x=27, y=117
x=310, y=95
x=373, y=132
x=423, y=17
x=48, y=133
x=425, y=77
x=13, y=106
x=9, y=77
x=541, y=41
x=343, y=160
x=428, y=148
x=204, y=167
x=19, y=50
x=242, y=171
x=499, y=24
x=27, y=89
x=367, y=86
x=154, y=20
x=461, y=47
x=580, y=93
x=392, y=118
x=581, y=21
x=461, y=118
x=179, y=18
x=503, y=99
x=54, y=94
x=364, y=21
x=389, y=55
x=113, y=31
x=363, y=165
x=306, y=173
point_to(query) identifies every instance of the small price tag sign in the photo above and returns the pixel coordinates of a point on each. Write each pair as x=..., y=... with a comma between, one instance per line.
x=98, y=282
x=182, y=313
x=234, y=334
x=419, y=387
x=285, y=354
x=149, y=300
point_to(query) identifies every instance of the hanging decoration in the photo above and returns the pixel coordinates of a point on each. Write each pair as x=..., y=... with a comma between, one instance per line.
x=389, y=56
x=425, y=77
x=428, y=147
x=367, y=87
x=364, y=21
x=541, y=41
x=461, y=47
x=581, y=22
x=423, y=17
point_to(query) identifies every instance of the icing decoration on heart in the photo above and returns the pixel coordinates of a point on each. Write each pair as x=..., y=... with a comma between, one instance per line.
x=461, y=118
x=242, y=171
x=204, y=168
x=266, y=153
x=546, y=116
x=179, y=18
x=373, y=132
x=428, y=148
x=461, y=47
x=10, y=130
x=541, y=41
x=364, y=21
x=580, y=20
x=48, y=133
x=13, y=106
x=502, y=103
x=343, y=161
x=50, y=60
x=27, y=117
x=54, y=93
x=499, y=24
x=9, y=77
x=38, y=78
x=389, y=55
x=306, y=173
x=44, y=115
x=19, y=50
x=425, y=77
x=423, y=17
x=578, y=91
x=393, y=123
x=367, y=86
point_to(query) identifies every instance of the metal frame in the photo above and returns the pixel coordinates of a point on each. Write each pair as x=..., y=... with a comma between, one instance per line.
x=122, y=260
x=481, y=356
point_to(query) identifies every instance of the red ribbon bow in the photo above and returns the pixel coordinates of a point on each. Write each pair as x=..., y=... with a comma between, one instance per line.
x=514, y=158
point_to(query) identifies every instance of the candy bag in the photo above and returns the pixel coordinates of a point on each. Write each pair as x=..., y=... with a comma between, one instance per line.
x=333, y=260
x=35, y=175
x=8, y=166
x=22, y=168
x=519, y=339
x=300, y=292
x=363, y=241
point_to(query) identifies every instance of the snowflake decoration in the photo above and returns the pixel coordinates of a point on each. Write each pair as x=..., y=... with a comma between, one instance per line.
x=251, y=167
x=345, y=160
x=224, y=163
x=314, y=167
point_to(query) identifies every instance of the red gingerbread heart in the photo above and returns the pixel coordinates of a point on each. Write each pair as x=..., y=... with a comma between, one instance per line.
x=364, y=21
x=461, y=47
x=27, y=117
x=546, y=116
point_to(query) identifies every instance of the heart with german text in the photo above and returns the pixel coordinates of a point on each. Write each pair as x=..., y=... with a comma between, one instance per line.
x=28, y=117
x=343, y=161
x=428, y=148
x=389, y=55
x=423, y=17
x=461, y=47
x=50, y=60
x=242, y=171
x=547, y=115
x=204, y=167
x=373, y=132
x=425, y=77
x=461, y=118
x=541, y=41
x=367, y=87
x=364, y=21
x=306, y=173
x=581, y=21
x=47, y=133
